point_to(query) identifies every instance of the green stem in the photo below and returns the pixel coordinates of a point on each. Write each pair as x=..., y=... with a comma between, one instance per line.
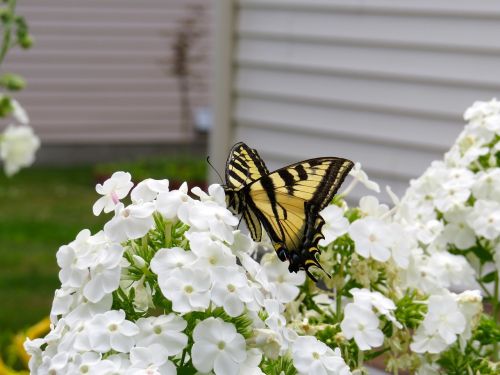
x=168, y=234
x=496, y=307
x=338, y=293
x=6, y=44
x=361, y=356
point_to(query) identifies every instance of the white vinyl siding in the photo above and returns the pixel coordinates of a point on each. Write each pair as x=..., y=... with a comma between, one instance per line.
x=98, y=70
x=381, y=82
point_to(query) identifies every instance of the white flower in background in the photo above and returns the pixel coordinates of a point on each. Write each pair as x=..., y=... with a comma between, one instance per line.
x=130, y=222
x=188, y=289
x=18, y=145
x=111, y=331
x=283, y=283
x=370, y=206
x=168, y=202
x=372, y=238
x=377, y=300
x=215, y=194
x=471, y=306
x=484, y=219
x=231, y=290
x=19, y=112
x=456, y=230
x=359, y=175
x=165, y=330
x=361, y=323
x=443, y=316
x=335, y=224
x=212, y=255
x=167, y=260
x=150, y=360
x=313, y=357
x=148, y=190
x=402, y=245
x=487, y=185
x=112, y=190
x=209, y=216
x=451, y=270
x=218, y=347
x=427, y=342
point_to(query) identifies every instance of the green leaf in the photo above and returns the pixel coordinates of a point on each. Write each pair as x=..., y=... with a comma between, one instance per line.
x=490, y=277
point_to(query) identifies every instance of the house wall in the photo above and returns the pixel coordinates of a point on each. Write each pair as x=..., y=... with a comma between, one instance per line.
x=99, y=71
x=383, y=82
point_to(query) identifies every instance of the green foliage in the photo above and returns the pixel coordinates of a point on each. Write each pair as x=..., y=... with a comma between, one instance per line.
x=280, y=366
x=468, y=361
x=487, y=331
x=180, y=168
x=410, y=310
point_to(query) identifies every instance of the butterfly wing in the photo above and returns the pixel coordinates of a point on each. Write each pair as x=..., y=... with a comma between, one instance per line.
x=244, y=166
x=287, y=202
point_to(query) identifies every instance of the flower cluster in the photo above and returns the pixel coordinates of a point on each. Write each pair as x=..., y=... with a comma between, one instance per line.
x=170, y=286
x=18, y=143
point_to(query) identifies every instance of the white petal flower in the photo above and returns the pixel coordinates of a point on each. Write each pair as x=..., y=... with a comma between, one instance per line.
x=165, y=330
x=18, y=145
x=487, y=185
x=370, y=206
x=231, y=290
x=218, y=347
x=111, y=331
x=188, y=289
x=130, y=222
x=361, y=323
x=215, y=194
x=167, y=203
x=444, y=317
x=19, y=112
x=167, y=260
x=148, y=190
x=362, y=177
x=457, y=231
x=372, y=238
x=283, y=283
x=427, y=342
x=311, y=357
x=150, y=360
x=112, y=190
x=335, y=224
x=484, y=219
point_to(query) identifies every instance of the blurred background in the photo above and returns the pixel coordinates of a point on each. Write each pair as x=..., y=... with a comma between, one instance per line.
x=154, y=86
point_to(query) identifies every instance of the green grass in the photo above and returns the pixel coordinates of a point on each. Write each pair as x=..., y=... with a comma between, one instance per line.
x=40, y=210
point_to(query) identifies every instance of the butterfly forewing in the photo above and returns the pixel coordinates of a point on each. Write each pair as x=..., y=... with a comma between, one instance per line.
x=243, y=166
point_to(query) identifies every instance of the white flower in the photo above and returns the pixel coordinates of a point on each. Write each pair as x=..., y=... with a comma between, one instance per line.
x=111, y=331
x=484, y=219
x=361, y=323
x=212, y=255
x=451, y=270
x=362, y=177
x=188, y=289
x=218, y=346
x=18, y=145
x=209, y=216
x=283, y=283
x=167, y=260
x=335, y=224
x=401, y=246
x=231, y=290
x=165, y=330
x=215, y=194
x=471, y=306
x=312, y=357
x=457, y=231
x=112, y=190
x=19, y=112
x=487, y=185
x=150, y=360
x=370, y=206
x=168, y=202
x=130, y=222
x=427, y=342
x=251, y=364
x=444, y=317
x=373, y=299
x=372, y=238
x=148, y=190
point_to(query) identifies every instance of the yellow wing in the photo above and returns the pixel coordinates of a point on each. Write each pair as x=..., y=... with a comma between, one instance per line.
x=287, y=203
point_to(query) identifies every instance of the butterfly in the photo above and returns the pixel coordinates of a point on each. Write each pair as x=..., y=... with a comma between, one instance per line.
x=286, y=202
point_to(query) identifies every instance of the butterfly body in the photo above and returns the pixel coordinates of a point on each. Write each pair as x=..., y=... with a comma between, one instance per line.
x=286, y=202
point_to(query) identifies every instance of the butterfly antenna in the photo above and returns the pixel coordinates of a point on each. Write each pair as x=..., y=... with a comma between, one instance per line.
x=216, y=171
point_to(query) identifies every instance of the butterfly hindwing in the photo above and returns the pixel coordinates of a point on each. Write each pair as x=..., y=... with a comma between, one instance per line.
x=288, y=202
